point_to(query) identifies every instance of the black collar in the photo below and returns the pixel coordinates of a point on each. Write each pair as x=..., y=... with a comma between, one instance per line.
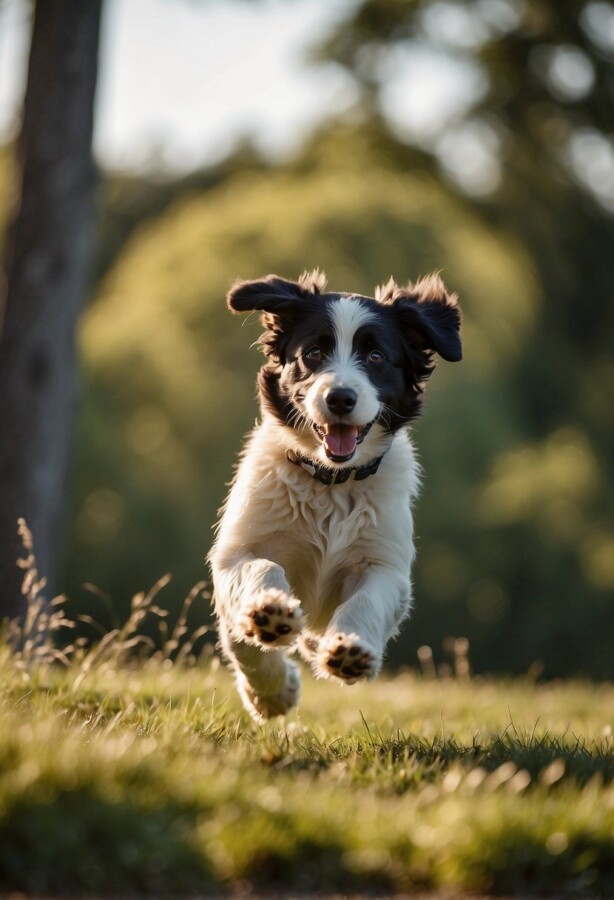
x=328, y=475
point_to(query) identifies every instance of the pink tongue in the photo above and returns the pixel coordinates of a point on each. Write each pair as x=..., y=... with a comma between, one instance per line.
x=340, y=440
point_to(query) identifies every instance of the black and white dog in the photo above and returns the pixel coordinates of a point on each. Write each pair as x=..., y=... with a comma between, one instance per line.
x=315, y=541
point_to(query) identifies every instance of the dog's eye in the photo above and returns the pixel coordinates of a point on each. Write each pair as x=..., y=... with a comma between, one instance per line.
x=315, y=354
x=376, y=356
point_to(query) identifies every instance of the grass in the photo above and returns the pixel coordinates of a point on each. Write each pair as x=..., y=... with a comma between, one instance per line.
x=143, y=775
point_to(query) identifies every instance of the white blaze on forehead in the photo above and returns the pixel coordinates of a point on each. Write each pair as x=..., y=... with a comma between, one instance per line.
x=344, y=369
x=347, y=316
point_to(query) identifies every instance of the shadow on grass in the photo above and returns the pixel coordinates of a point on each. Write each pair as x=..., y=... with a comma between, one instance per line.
x=76, y=841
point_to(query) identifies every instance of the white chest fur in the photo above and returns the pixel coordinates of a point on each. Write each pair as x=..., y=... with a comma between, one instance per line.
x=319, y=534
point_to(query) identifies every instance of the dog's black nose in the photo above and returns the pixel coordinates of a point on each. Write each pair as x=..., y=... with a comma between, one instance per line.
x=341, y=400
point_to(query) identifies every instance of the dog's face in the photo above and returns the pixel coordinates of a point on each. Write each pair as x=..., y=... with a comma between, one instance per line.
x=345, y=371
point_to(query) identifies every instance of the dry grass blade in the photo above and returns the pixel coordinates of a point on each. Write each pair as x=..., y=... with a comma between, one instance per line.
x=34, y=638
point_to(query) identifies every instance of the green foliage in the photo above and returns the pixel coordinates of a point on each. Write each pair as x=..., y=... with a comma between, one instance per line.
x=127, y=201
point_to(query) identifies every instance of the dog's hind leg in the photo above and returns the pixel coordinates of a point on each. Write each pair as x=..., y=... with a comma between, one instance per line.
x=268, y=683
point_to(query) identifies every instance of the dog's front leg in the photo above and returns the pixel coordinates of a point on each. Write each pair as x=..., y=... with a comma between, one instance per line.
x=353, y=646
x=253, y=597
x=256, y=613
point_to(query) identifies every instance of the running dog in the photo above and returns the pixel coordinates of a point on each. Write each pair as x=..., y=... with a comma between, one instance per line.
x=314, y=545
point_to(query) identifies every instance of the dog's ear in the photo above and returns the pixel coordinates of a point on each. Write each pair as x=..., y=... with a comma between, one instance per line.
x=280, y=303
x=428, y=313
x=273, y=294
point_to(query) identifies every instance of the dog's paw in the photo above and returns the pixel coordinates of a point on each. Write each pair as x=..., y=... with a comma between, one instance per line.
x=263, y=706
x=272, y=620
x=346, y=656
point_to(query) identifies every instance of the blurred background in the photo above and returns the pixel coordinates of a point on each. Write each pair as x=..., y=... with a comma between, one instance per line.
x=370, y=138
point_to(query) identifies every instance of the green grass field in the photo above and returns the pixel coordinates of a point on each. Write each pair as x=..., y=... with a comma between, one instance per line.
x=147, y=777
x=126, y=768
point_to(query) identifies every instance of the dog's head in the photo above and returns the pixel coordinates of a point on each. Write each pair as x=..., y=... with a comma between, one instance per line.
x=345, y=371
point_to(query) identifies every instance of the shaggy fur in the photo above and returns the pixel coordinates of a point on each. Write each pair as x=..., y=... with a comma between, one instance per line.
x=315, y=542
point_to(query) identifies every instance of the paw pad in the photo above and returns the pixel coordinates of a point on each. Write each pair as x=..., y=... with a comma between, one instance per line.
x=273, y=620
x=347, y=657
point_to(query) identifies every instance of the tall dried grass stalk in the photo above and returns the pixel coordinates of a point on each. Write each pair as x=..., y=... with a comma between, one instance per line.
x=33, y=639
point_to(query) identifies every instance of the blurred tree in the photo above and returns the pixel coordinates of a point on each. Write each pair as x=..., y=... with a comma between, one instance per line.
x=48, y=247
x=529, y=144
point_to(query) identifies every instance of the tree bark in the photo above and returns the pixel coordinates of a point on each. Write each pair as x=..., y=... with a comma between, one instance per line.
x=48, y=249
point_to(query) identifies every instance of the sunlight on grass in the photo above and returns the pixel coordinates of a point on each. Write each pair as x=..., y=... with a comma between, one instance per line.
x=124, y=767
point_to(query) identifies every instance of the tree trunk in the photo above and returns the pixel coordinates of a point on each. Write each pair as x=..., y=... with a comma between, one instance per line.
x=49, y=243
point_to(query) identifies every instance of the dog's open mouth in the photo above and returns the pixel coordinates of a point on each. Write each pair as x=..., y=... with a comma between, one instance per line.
x=340, y=440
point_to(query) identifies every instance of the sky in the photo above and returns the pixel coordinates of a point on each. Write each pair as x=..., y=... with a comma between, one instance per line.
x=180, y=81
